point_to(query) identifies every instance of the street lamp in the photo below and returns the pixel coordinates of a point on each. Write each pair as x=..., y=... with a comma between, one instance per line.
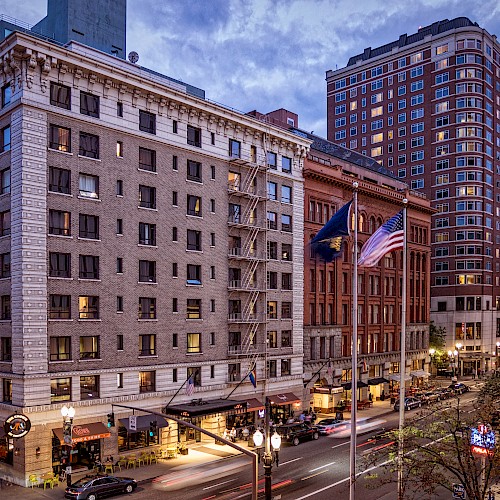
x=269, y=458
x=497, y=367
x=68, y=414
x=459, y=346
x=431, y=353
x=451, y=357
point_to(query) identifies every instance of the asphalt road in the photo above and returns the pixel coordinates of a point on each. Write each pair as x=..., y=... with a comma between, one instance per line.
x=317, y=470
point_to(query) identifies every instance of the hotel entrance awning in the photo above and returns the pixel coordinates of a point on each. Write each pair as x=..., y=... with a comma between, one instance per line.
x=84, y=432
x=285, y=398
x=199, y=408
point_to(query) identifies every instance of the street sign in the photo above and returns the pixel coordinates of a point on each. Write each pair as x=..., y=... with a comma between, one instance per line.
x=132, y=422
x=458, y=490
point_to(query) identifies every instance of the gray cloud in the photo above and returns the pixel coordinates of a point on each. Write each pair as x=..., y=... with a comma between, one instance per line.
x=267, y=54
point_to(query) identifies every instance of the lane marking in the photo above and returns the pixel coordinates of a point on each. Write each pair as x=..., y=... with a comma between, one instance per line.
x=290, y=461
x=338, y=445
x=313, y=475
x=219, y=484
x=321, y=467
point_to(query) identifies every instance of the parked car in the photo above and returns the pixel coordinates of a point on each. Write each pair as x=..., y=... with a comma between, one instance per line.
x=330, y=425
x=94, y=487
x=297, y=432
x=459, y=388
x=409, y=404
x=445, y=392
x=430, y=397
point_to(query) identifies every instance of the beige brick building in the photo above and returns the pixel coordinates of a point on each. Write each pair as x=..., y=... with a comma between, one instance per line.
x=147, y=235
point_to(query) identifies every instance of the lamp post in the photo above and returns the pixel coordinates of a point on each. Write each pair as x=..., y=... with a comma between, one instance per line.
x=269, y=458
x=459, y=346
x=431, y=353
x=68, y=414
x=497, y=367
x=451, y=357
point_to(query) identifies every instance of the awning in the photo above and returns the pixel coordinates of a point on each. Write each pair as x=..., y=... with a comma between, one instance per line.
x=254, y=404
x=142, y=422
x=284, y=399
x=348, y=385
x=200, y=408
x=377, y=380
x=420, y=374
x=84, y=432
x=396, y=377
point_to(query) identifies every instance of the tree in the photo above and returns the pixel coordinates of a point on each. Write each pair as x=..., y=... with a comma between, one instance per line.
x=437, y=450
x=437, y=335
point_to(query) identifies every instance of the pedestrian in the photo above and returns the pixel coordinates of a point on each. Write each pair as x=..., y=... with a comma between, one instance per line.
x=370, y=397
x=226, y=433
x=479, y=373
x=382, y=395
x=245, y=433
x=302, y=417
x=232, y=434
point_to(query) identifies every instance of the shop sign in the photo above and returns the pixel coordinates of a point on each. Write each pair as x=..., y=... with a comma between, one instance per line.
x=482, y=440
x=17, y=425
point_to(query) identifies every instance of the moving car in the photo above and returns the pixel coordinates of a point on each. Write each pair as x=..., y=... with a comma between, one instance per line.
x=459, y=388
x=430, y=397
x=363, y=425
x=94, y=487
x=330, y=425
x=297, y=432
x=409, y=404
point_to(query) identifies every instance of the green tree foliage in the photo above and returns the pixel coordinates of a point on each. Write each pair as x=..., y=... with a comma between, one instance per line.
x=437, y=450
x=437, y=335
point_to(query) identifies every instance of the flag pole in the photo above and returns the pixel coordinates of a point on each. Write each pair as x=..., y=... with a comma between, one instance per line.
x=354, y=348
x=402, y=362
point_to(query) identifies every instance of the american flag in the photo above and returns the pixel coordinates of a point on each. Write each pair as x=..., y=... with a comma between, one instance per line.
x=388, y=237
x=190, y=386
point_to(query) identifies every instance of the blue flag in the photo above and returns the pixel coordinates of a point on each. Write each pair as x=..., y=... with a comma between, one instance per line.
x=253, y=377
x=328, y=242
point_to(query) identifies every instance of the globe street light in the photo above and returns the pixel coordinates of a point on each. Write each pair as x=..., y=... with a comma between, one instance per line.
x=68, y=414
x=460, y=370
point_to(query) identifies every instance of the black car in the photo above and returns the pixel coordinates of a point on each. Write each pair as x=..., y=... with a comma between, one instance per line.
x=93, y=487
x=410, y=403
x=459, y=388
x=297, y=432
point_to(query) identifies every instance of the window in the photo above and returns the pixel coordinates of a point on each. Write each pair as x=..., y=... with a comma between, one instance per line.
x=193, y=309
x=272, y=250
x=60, y=307
x=286, y=194
x=89, y=267
x=194, y=136
x=193, y=342
x=89, y=227
x=286, y=310
x=174, y=234
x=6, y=94
x=272, y=309
x=59, y=223
x=147, y=271
x=147, y=159
x=59, y=138
x=212, y=239
x=119, y=226
x=286, y=164
x=271, y=220
x=234, y=148
x=5, y=181
x=147, y=196
x=60, y=348
x=119, y=188
x=89, y=387
x=194, y=205
x=89, y=145
x=272, y=188
x=89, y=186
x=174, y=126
x=147, y=234
x=6, y=348
x=271, y=368
x=59, y=180
x=60, y=389
x=147, y=122
x=212, y=172
x=119, y=305
x=147, y=308
x=119, y=109
x=5, y=146
x=193, y=274
x=147, y=381
x=88, y=307
x=119, y=149
x=286, y=281
x=286, y=338
x=5, y=265
x=286, y=366
x=60, y=95
x=271, y=160
x=194, y=171
x=286, y=223
x=212, y=205
x=272, y=339
x=286, y=252
x=147, y=345
x=194, y=240
x=89, y=104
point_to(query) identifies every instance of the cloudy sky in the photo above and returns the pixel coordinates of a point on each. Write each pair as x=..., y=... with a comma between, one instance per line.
x=269, y=54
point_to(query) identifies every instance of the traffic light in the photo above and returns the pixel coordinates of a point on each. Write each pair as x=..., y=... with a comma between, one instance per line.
x=152, y=428
x=111, y=419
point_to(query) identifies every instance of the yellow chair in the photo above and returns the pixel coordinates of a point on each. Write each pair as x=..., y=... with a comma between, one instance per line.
x=55, y=481
x=131, y=462
x=122, y=462
x=153, y=458
x=48, y=480
x=171, y=452
x=140, y=460
x=108, y=468
x=33, y=480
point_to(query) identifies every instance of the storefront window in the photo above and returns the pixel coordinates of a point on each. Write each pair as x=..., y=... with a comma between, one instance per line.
x=133, y=440
x=6, y=450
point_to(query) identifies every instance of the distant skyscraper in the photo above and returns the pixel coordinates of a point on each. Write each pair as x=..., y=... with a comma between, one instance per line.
x=427, y=107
